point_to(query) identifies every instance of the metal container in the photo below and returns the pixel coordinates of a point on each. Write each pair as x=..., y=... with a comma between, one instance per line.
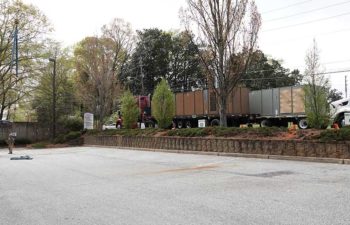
x=205, y=102
x=277, y=101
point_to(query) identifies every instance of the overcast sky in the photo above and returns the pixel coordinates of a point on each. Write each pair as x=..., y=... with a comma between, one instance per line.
x=288, y=26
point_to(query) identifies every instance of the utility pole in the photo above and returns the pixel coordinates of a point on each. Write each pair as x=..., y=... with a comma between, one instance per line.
x=53, y=98
x=346, y=86
x=16, y=44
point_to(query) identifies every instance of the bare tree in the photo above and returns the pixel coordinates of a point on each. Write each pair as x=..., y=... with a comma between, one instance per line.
x=228, y=32
x=99, y=61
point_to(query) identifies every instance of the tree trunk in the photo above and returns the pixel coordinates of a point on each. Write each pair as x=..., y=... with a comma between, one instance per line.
x=222, y=111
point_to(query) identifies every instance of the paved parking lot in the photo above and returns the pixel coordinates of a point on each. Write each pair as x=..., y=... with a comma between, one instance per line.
x=89, y=185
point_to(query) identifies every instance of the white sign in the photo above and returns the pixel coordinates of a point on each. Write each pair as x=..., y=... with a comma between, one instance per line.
x=88, y=121
x=201, y=123
x=347, y=119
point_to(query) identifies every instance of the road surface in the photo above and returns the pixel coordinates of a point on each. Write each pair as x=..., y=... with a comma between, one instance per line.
x=90, y=185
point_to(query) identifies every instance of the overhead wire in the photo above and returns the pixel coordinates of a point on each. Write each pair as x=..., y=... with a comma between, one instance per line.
x=286, y=7
x=307, y=22
x=307, y=12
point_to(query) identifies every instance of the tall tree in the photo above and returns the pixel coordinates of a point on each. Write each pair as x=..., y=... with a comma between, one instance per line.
x=266, y=73
x=228, y=30
x=316, y=90
x=185, y=70
x=149, y=61
x=32, y=25
x=99, y=62
x=66, y=104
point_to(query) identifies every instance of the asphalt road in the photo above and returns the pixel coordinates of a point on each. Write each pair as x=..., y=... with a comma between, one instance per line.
x=89, y=185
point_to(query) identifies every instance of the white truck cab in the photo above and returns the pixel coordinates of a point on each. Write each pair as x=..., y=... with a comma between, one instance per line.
x=338, y=108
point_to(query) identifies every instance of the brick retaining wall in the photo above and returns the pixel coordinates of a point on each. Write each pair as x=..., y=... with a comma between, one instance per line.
x=262, y=147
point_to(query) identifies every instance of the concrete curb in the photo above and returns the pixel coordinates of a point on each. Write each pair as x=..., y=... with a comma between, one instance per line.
x=241, y=155
x=347, y=161
x=307, y=159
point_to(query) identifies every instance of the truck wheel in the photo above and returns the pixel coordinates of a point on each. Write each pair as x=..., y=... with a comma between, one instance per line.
x=341, y=121
x=188, y=124
x=302, y=124
x=215, y=123
x=265, y=123
x=179, y=124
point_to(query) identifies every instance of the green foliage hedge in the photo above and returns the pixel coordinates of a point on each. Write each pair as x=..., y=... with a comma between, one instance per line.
x=335, y=135
x=226, y=131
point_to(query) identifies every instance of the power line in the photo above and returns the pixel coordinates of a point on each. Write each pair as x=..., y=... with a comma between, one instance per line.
x=283, y=77
x=308, y=36
x=306, y=12
x=308, y=22
x=286, y=7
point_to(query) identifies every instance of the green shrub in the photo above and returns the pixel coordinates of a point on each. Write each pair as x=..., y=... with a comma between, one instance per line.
x=335, y=135
x=163, y=104
x=72, y=135
x=129, y=109
x=73, y=123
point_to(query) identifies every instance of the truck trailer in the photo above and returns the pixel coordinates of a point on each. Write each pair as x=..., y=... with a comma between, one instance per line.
x=268, y=107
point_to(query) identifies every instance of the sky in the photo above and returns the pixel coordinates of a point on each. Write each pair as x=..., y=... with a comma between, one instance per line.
x=287, y=32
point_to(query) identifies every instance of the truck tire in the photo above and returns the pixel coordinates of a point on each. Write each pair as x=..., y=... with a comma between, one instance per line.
x=341, y=121
x=302, y=123
x=215, y=123
x=188, y=124
x=265, y=123
x=179, y=124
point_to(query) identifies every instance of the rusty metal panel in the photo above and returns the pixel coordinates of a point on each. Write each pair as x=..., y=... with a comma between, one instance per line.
x=198, y=102
x=213, y=103
x=286, y=100
x=229, y=103
x=189, y=103
x=298, y=100
x=205, y=102
x=244, y=100
x=179, y=99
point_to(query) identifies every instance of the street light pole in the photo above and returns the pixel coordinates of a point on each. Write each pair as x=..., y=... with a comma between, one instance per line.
x=53, y=98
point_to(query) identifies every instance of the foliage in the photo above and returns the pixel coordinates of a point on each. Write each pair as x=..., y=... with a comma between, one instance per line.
x=73, y=123
x=335, y=135
x=99, y=62
x=334, y=95
x=264, y=73
x=316, y=91
x=149, y=61
x=163, y=54
x=185, y=70
x=32, y=25
x=126, y=132
x=63, y=138
x=163, y=104
x=228, y=31
x=129, y=109
x=66, y=103
x=226, y=131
